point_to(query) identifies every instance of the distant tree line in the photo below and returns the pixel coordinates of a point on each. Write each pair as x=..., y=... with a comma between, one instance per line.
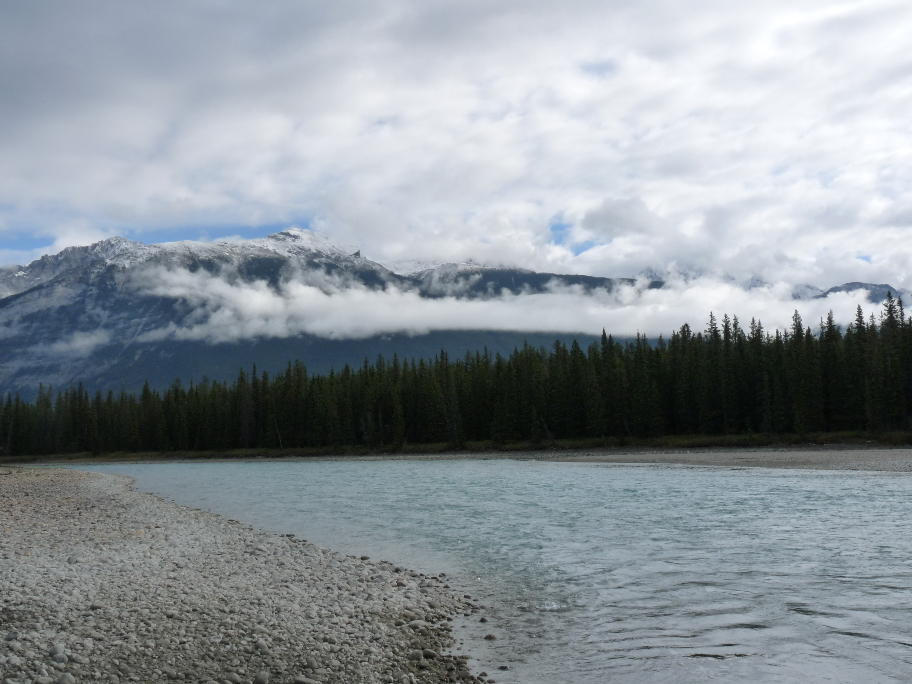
x=723, y=380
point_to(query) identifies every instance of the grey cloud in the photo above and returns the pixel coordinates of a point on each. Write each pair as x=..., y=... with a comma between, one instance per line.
x=615, y=217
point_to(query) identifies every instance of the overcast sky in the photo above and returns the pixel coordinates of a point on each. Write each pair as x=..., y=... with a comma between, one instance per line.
x=769, y=140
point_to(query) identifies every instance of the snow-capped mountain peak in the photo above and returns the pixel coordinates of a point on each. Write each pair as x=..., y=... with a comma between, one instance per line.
x=293, y=244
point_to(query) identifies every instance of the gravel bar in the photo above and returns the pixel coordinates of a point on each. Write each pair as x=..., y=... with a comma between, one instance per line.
x=101, y=583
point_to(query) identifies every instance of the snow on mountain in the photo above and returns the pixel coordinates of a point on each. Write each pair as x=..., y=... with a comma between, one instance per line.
x=411, y=267
x=806, y=292
x=419, y=267
x=295, y=245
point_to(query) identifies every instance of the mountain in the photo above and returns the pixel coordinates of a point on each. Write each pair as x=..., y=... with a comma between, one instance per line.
x=117, y=313
x=91, y=314
x=876, y=293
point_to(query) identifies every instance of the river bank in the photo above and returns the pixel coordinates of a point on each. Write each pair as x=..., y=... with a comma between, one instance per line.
x=854, y=456
x=612, y=449
x=99, y=582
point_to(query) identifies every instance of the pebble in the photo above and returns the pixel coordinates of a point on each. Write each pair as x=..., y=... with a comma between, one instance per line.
x=146, y=590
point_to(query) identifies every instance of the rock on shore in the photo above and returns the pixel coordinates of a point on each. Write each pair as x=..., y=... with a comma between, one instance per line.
x=102, y=583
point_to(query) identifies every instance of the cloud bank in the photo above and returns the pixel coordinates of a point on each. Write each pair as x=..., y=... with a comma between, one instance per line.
x=79, y=344
x=766, y=140
x=217, y=309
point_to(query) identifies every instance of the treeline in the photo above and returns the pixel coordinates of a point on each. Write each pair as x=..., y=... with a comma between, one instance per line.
x=723, y=380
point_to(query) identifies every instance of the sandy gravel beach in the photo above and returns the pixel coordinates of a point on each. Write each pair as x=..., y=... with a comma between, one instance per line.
x=838, y=457
x=816, y=457
x=102, y=583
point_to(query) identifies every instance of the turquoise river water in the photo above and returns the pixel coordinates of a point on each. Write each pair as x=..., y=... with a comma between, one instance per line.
x=611, y=573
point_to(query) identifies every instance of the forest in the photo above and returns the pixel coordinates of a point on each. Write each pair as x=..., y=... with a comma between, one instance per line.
x=723, y=380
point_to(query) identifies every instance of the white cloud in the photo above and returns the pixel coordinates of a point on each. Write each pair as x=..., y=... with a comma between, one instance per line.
x=763, y=139
x=223, y=310
x=18, y=256
x=77, y=344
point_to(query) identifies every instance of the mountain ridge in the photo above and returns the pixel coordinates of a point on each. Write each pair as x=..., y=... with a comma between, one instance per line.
x=103, y=313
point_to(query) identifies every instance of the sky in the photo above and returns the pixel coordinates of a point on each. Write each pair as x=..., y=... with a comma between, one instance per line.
x=735, y=141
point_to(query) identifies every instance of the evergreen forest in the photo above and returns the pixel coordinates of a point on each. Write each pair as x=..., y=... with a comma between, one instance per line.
x=724, y=380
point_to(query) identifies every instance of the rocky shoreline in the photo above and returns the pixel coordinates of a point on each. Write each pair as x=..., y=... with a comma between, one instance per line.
x=100, y=583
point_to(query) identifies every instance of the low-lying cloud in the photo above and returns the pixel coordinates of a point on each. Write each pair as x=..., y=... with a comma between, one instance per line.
x=79, y=344
x=218, y=310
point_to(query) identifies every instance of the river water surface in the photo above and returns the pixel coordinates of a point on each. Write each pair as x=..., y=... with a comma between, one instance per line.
x=608, y=573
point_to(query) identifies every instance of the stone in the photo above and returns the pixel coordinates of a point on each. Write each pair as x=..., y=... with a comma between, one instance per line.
x=45, y=680
x=173, y=593
x=489, y=637
x=66, y=678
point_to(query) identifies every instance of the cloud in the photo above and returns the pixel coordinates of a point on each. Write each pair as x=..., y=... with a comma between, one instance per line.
x=763, y=139
x=18, y=256
x=616, y=217
x=222, y=310
x=78, y=344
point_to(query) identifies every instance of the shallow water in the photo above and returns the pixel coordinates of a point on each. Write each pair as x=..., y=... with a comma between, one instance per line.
x=597, y=573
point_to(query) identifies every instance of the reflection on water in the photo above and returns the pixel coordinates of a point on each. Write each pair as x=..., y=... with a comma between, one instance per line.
x=600, y=573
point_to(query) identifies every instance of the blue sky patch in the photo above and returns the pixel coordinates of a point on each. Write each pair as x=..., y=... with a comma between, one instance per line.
x=601, y=69
x=560, y=231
